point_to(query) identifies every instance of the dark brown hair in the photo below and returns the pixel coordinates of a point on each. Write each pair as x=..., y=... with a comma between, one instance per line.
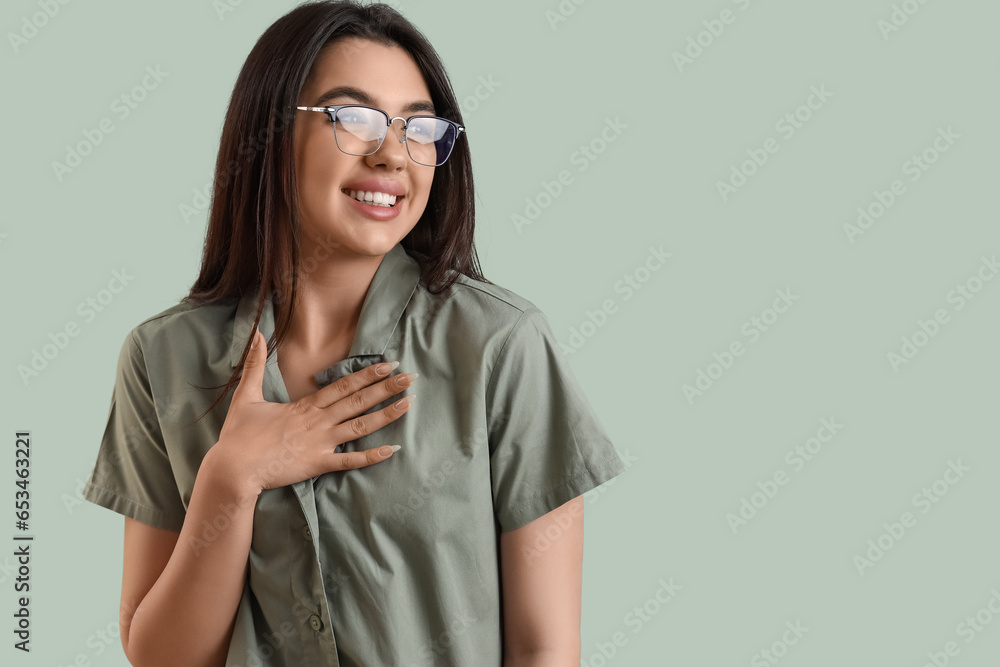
x=253, y=225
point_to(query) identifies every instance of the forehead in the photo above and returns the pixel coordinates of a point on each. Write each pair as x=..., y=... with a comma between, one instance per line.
x=387, y=73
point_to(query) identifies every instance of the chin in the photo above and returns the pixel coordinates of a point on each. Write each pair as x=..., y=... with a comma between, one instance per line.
x=374, y=243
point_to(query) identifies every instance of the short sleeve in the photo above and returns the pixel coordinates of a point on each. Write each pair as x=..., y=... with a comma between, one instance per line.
x=546, y=444
x=132, y=475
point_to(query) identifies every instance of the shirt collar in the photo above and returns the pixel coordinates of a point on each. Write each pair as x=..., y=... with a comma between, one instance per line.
x=391, y=289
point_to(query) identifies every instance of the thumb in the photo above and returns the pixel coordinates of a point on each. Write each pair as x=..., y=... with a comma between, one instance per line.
x=252, y=380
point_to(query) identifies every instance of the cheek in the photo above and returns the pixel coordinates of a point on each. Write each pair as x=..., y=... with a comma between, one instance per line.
x=317, y=178
x=426, y=186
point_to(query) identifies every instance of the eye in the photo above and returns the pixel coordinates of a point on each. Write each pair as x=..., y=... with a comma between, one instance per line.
x=350, y=117
x=420, y=128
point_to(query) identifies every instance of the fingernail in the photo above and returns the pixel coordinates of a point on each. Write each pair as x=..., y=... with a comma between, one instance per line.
x=385, y=369
x=253, y=345
x=384, y=452
x=406, y=379
x=403, y=402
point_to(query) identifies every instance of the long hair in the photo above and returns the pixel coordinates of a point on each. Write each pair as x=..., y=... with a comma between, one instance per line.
x=253, y=225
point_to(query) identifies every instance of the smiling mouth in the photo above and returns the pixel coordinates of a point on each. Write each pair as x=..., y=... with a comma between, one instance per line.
x=373, y=198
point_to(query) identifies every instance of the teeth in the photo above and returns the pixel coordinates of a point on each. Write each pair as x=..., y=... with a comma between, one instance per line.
x=373, y=198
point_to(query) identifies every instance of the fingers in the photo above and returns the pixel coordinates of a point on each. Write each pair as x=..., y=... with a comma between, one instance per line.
x=365, y=424
x=252, y=379
x=349, y=384
x=355, y=460
x=364, y=399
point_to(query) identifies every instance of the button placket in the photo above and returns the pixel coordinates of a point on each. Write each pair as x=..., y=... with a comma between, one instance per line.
x=307, y=586
x=316, y=623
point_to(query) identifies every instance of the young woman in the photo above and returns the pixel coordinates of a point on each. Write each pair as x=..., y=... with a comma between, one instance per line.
x=268, y=520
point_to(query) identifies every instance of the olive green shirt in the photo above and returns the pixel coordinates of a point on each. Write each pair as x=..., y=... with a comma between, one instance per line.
x=396, y=563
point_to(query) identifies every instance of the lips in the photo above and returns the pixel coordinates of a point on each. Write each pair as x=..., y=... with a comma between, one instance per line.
x=373, y=198
x=385, y=185
x=376, y=212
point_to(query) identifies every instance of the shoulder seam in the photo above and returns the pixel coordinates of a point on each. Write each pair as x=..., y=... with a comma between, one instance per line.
x=179, y=307
x=503, y=348
x=135, y=343
x=471, y=285
x=142, y=354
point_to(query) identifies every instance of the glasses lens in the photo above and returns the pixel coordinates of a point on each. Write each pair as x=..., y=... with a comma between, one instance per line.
x=359, y=130
x=430, y=140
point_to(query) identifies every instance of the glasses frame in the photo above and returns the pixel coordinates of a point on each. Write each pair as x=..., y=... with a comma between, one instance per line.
x=331, y=111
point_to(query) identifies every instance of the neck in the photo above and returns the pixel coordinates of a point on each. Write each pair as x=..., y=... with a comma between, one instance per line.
x=328, y=300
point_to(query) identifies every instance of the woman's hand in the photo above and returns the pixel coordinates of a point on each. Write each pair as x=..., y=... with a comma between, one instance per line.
x=264, y=445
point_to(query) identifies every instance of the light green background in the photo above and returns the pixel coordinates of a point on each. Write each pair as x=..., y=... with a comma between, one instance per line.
x=654, y=185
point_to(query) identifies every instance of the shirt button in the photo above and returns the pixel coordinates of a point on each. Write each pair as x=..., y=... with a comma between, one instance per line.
x=315, y=623
x=308, y=533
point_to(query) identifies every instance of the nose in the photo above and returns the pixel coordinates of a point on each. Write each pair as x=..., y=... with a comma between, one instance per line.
x=392, y=153
x=401, y=132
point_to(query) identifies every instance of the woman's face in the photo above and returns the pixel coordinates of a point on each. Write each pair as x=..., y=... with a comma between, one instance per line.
x=383, y=77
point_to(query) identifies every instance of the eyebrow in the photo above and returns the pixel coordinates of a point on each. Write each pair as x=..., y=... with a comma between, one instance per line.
x=364, y=98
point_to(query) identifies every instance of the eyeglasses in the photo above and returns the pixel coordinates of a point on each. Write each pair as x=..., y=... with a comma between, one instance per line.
x=360, y=130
